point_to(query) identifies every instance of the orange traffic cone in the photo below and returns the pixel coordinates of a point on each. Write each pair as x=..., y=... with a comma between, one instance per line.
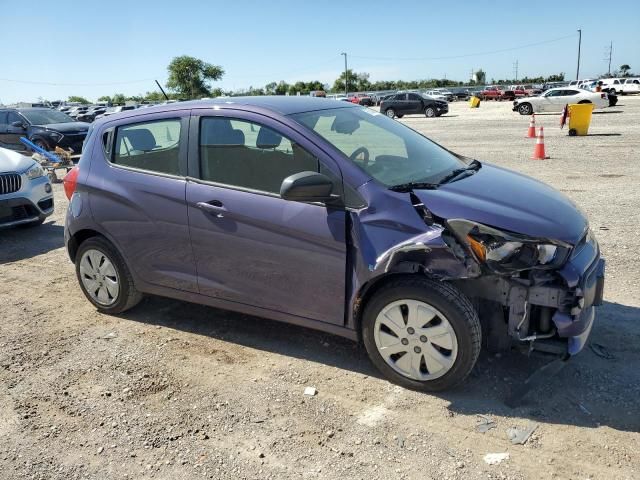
x=531, y=133
x=538, y=151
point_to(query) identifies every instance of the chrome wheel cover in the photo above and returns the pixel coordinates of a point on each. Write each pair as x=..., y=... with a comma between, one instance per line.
x=415, y=339
x=99, y=277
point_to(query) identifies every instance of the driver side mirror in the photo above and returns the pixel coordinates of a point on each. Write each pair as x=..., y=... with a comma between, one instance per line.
x=19, y=124
x=307, y=187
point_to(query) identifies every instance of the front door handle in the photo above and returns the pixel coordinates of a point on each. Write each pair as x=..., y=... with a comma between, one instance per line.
x=215, y=207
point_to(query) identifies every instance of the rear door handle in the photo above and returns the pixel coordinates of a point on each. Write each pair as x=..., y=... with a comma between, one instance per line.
x=214, y=207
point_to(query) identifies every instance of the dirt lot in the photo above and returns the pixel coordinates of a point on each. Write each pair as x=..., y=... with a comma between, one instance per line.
x=172, y=390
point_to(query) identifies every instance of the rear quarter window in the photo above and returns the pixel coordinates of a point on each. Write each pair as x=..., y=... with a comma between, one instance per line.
x=153, y=146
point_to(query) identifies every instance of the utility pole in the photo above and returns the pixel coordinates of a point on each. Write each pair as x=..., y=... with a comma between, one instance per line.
x=346, y=75
x=579, y=45
x=610, y=54
x=515, y=68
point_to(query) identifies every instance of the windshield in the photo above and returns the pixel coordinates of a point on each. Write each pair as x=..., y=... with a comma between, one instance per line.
x=45, y=117
x=387, y=150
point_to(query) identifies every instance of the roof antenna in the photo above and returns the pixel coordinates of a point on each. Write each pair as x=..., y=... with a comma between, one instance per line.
x=160, y=87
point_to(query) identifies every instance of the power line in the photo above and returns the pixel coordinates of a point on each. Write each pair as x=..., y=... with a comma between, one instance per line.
x=477, y=54
x=55, y=84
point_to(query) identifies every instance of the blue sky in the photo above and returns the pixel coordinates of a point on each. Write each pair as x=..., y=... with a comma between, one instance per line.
x=89, y=48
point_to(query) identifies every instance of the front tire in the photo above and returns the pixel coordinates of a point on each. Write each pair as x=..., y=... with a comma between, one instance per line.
x=421, y=334
x=525, y=109
x=104, y=277
x=429, y=112
x=390, y=112
x=42, y=144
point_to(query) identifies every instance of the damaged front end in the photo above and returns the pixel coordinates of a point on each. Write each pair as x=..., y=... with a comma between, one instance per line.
x=540, y=293
x=536, y=293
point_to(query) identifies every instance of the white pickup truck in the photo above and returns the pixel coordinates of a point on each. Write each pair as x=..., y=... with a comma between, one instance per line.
x=624, y=86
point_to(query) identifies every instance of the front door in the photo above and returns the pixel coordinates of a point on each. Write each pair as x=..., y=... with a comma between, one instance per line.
x=14, y=132
x=137, y=195
x=250, y=245
x=414, y=104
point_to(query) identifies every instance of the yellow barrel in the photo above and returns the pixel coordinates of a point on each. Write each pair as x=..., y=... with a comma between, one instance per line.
x=474, y=102
x=579, y=118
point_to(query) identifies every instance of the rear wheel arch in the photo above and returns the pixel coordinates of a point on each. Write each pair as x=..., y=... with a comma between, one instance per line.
x=77, y=239
x=584, y=101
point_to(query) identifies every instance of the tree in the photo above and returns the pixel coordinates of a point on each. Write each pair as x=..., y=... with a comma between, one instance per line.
x=556, y=78
x=282, y=88
x=190, y=76
x=354, y=83
x=105, y=98
x=118, y=99
x=270, y=88
x=480, y=77
x=75, y=98
x=624, y=70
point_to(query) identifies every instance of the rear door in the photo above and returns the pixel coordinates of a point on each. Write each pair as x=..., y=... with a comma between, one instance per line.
x=137, y=190
x=414, y=103
x=251, y=246
x=400, y=103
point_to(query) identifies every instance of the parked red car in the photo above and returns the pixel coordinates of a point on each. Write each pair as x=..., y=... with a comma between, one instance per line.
x=362, y=99
x=492, y=93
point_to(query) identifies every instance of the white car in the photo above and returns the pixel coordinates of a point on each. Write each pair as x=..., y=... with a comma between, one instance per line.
x=436, y=94
x=554, y=100
x=25, y=191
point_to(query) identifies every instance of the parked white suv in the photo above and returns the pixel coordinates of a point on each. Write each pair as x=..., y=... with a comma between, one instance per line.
x=554, y=100
x=621, y=85
x=25, y=191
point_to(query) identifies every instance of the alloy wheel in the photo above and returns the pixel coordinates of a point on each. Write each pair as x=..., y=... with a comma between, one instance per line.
x=415, y=339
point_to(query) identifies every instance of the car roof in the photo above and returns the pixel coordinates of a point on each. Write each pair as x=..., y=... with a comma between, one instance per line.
x=285, y=105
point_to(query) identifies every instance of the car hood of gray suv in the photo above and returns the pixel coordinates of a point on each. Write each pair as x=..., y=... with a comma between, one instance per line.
x=11, y=161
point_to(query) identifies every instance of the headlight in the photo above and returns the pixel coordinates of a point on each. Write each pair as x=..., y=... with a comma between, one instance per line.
x=56, y=136
x=35, y=172
x=504, y=252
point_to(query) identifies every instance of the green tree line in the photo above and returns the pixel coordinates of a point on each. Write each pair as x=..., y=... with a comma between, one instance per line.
x=192, y=78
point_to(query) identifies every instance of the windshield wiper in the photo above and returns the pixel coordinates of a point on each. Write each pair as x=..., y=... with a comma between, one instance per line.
x=458, y=173
x=407, y=187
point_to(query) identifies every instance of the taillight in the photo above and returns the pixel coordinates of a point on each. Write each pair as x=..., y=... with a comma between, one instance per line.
x=70, y=181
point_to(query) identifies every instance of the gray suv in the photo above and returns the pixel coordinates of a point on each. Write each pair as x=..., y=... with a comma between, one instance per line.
x=25, y=191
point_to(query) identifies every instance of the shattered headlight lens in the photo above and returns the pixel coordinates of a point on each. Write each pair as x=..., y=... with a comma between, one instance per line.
x=505, y=252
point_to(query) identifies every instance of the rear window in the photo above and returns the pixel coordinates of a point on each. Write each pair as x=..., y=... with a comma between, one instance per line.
x=152, y=146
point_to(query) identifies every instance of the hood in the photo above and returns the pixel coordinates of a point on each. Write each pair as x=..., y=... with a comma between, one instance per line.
x=68, y=127
x=11, y=161
x=509, y=201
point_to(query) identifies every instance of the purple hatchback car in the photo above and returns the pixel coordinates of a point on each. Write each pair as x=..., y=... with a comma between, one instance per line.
x=331, y=216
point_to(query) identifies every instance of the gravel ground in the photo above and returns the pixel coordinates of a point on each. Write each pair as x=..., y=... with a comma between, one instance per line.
x=178, y=391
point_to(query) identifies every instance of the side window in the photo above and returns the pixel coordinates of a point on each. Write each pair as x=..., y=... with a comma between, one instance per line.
x=413, y=96
x=249, y=155
x=401, y=96
x=14, y=117
x=152, y=146
x=3, y=118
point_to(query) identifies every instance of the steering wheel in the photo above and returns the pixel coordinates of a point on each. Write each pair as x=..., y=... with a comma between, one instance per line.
x=358, y=151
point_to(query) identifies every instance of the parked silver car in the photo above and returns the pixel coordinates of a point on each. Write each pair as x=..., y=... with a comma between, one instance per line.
x=25, y=191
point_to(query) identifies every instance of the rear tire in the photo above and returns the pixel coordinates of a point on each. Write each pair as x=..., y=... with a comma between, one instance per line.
x=126, y=297
x=445, y=348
